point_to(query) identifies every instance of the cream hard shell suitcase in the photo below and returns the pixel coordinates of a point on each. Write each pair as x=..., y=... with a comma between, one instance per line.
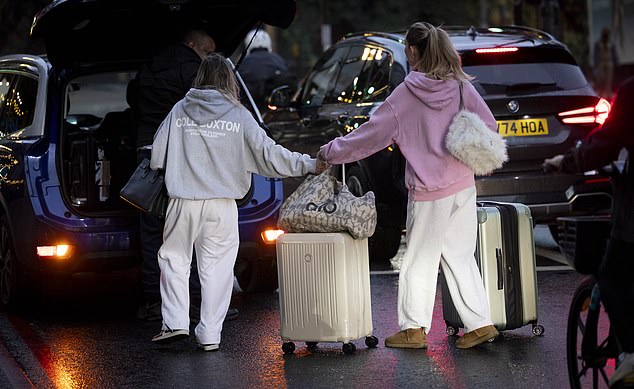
x=505, y=255
x=324, y=289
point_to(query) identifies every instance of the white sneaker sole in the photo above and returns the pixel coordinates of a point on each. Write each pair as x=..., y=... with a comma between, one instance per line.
x=170, y=336
x=209, y=347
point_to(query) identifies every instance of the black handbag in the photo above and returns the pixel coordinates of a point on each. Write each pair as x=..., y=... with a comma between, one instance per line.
x=146, y=190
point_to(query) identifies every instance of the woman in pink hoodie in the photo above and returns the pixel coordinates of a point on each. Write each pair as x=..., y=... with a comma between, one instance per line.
x=441, y=211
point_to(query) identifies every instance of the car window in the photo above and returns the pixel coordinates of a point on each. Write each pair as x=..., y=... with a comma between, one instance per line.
x=525, y=78
x=90, y=97
x=376, y=75
x=364, y=76
x=526, y=71
x=17, y=108
x=5, y=86
x=347, y=88
x=321, y=80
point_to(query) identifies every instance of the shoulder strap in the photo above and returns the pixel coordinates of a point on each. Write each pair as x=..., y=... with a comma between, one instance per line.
x=461, y=102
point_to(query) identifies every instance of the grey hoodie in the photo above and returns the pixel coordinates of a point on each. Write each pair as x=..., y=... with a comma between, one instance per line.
x=214, y=146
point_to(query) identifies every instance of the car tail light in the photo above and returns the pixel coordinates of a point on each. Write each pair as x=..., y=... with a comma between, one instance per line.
x=270, y=236
x=589, y=115
x=60, y=251
x=497, y=50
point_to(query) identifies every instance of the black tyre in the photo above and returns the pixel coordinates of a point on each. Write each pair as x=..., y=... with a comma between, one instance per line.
x=10, y=285
x=371, y=341
x=385, y=242
x=357, y=181
x=288, y=347
x=451, y=331
x=594, y=369
x=258, y=275
x=349, y=348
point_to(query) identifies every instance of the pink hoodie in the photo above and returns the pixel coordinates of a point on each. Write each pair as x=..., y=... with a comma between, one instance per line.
x=416, y=117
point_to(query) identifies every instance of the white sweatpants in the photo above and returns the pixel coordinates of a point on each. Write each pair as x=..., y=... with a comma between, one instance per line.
x=442, y=231
x=211, y=228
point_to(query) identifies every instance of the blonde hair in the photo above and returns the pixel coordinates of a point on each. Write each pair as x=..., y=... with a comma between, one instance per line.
x=215, y=72
x=437, y=56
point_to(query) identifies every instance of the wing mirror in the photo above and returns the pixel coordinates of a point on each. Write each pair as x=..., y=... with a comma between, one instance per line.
x=280, y=97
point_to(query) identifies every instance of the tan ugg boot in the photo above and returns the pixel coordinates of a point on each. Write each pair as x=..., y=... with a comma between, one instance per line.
x=476, y=337
x=409, y=338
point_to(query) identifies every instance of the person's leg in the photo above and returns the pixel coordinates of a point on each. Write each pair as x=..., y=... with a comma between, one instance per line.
x=151, y=238
x=616, y=283
x=617, y=293
x=459, y=266
x=216, y=247
x=195, y=297
x=426, y=225
x=182, y=224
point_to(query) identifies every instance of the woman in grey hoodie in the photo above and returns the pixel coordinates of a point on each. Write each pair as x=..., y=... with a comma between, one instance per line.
x=209, y=145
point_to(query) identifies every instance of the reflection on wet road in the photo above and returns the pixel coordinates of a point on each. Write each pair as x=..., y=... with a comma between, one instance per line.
x=87, y=336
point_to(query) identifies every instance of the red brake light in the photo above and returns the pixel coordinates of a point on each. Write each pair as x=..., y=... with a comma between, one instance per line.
x=496, y=50
x=597, y=114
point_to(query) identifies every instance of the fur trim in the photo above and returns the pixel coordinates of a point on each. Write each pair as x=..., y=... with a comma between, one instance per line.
x=471, y=142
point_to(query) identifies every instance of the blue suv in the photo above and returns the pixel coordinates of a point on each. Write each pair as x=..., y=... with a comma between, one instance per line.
x=67, y=139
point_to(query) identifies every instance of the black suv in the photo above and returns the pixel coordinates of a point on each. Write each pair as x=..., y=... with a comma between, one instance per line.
x=541, y=100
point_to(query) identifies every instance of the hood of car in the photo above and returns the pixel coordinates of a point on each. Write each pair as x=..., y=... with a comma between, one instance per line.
x=97, y=31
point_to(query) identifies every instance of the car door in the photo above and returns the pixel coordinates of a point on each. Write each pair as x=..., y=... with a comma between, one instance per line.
x=367, y=77
x=307, y=125
x=363, y=84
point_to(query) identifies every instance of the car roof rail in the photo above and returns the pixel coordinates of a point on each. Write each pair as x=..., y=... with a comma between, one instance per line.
x=541, y=34
x=517, y=29
x=395, y=35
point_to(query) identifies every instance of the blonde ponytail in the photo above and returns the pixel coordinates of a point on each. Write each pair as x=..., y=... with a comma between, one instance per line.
x=437, y=56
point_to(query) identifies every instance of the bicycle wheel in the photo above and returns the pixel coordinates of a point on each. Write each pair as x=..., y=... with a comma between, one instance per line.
x=590, y=346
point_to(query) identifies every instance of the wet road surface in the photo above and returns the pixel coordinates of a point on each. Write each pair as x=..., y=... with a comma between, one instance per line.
x=88, y=336
x=71, y=344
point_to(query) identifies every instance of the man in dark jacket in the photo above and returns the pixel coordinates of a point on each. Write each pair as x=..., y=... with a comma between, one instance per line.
x=162, y=83
x=262, y=69
x=616, y=275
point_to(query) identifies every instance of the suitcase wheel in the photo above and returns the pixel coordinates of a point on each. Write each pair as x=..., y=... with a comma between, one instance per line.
x=538, y=330
x=451, y=331
x=349, y=348
x=311, y=345
x=288, y=347
x=371, y=341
